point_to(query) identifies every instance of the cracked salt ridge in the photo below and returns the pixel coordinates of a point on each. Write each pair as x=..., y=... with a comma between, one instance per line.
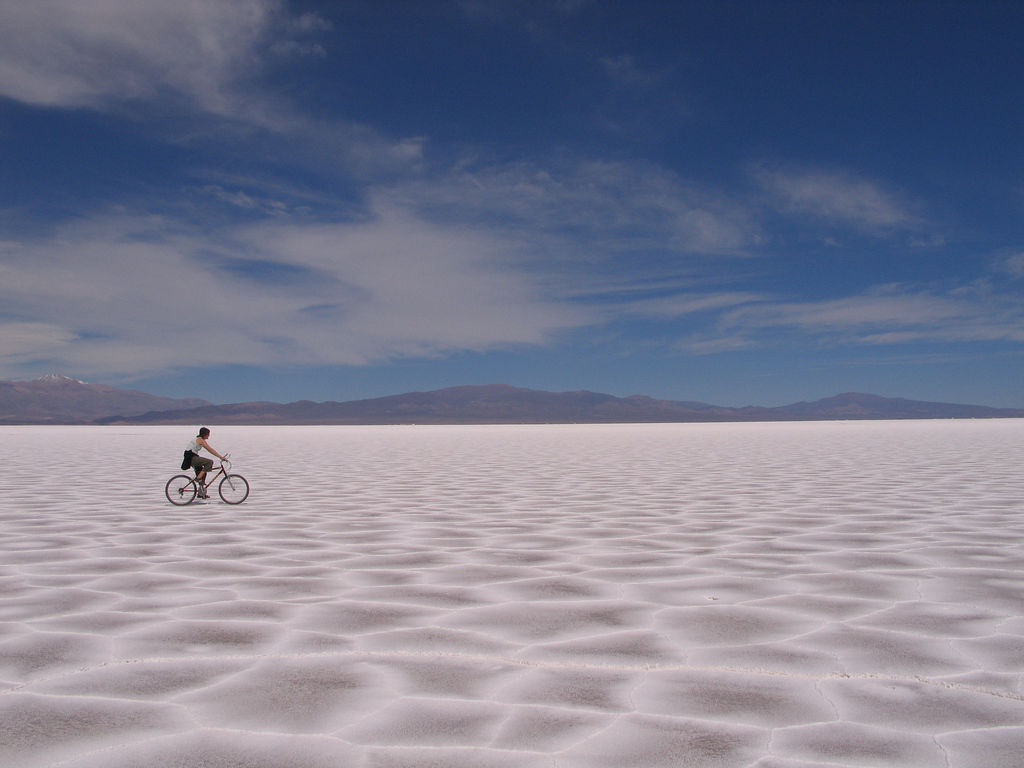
x=718, y=595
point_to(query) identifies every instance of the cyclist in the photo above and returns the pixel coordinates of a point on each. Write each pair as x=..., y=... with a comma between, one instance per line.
x=200, y=464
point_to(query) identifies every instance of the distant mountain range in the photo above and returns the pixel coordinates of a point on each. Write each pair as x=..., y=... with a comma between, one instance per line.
x=60, y=400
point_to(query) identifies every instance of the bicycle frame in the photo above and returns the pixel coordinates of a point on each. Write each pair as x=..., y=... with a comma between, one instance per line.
x=212, y=474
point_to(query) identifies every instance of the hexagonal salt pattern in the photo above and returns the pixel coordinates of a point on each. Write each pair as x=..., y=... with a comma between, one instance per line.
x=743, y=596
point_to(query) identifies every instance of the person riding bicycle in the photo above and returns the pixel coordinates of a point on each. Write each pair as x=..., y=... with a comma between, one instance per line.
x=199, y=464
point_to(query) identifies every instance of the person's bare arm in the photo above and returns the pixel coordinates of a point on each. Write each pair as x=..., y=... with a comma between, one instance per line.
x=210, y=448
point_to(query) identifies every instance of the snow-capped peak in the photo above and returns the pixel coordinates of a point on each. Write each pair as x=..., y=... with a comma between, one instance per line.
x=56, y=378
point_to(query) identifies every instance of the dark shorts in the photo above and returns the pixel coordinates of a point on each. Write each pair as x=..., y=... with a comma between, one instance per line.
x=199, y=464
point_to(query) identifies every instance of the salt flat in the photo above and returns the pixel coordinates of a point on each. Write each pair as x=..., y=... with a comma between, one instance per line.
x=738, y=595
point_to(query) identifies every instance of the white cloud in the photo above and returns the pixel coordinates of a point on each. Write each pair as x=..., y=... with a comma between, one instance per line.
x=136, y=295
x=1013, y=265
x=879, y=308
x=689, y=303
x=467, y=260
x=894, y=314
x=603, y=207
x=835, y=196
x=204, y=58
x=714, y=343
x=23, y=341
x=131, y=295
x=69, y=53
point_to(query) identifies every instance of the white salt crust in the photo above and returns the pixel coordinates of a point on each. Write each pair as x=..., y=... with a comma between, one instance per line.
x=739, y=595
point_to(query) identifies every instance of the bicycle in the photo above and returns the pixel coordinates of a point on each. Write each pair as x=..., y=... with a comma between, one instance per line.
x=233, y=489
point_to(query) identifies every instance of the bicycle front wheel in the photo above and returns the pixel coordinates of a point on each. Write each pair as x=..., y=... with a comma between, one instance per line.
x=180, y=490
x=234, y=489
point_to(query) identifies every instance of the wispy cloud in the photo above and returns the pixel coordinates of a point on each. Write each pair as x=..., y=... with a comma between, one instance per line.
x=614, y=206
x=624, y=71
x=470, y=259
x=474, y=259
x=1012, y=265
x=690, y=302
x=27, y=340
x=886, y=315
x=647, y=104
x=835, y=196
x=521, y=12
x=65, y=53
x=880, y=307
x=274, y=293
x=187, y=68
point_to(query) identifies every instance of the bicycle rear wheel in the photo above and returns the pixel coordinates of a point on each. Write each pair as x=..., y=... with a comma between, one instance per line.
x=234, y=489
x=180, y=490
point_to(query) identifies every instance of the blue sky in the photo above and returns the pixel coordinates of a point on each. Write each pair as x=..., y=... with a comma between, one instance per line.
x=734, y=202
